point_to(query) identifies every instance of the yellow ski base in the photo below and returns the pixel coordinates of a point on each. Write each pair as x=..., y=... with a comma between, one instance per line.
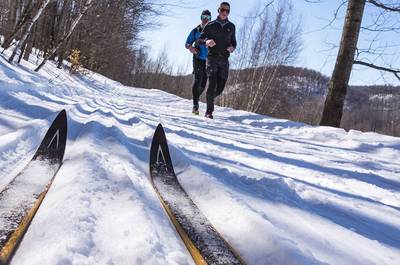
x=11, y=245
x=194, y=252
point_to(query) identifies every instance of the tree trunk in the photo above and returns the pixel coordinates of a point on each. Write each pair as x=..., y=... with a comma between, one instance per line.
x=61, y=25
x=75, y=22
x=23, y=49
x=61, y=55
x=333, y=109
x=11, y=18
x=28, y=50
x=30, y=44
x=17, y=24
x=28, y=27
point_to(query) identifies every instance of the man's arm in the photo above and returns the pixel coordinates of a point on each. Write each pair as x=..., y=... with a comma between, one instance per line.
x=189, y=42
x=233, y=44
x=190, y=39
x=204, y=36
x=233, y=37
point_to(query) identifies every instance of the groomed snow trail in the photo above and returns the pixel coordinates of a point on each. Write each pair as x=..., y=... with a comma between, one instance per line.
x=280, y=192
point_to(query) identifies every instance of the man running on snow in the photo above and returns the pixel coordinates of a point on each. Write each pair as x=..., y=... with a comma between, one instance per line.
x=219, y=37
x=199, y=60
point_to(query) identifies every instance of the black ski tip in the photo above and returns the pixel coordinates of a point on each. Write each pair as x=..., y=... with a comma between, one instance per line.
x=160, y=130
x=159, y=152
x=159, y=136
x=53, y=144
x=62, y=115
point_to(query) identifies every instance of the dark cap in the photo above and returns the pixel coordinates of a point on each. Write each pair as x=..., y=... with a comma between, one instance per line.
x=206, y=12
x=225, y=4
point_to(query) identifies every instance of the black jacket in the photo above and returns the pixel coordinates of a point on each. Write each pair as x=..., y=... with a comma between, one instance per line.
x=223, y=33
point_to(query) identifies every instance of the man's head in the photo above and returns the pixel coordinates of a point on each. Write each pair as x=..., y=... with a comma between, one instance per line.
x=223, y=10
x=205, y=16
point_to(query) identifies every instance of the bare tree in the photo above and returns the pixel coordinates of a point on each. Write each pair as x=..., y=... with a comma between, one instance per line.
x=18, y=15
x=28, y=27
x=107, y=32
x=333, y=109
x=85, y=8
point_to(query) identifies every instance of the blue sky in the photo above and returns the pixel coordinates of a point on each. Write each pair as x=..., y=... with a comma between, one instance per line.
x=318, y=51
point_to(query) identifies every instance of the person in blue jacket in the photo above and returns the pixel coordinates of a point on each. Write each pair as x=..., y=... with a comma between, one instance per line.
x=199, y=52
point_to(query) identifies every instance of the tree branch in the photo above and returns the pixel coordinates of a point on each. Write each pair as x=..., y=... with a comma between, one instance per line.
x=396, y=72
x=389, y=8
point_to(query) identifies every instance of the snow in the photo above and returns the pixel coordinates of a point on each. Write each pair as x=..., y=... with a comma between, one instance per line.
x=382, y=97
x=280, y=192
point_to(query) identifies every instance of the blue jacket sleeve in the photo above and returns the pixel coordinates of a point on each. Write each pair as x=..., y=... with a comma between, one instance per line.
x=190, y=39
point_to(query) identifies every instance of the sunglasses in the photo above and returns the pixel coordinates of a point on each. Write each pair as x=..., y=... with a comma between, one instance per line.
x=222, y=10
x=205, y=17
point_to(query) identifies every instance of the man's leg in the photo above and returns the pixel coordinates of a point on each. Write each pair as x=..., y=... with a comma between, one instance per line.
x=196, y=83
x=212, y=73
x=203, y=78
x=223, y=73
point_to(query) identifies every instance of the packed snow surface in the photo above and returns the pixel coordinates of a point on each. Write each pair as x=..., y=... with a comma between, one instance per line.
x=280, y=192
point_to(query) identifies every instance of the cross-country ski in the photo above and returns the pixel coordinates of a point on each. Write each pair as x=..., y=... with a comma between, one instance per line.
x=204, y=243
x=22, y=197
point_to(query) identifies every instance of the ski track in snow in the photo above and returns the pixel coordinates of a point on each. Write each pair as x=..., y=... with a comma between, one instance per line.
x=280, y=192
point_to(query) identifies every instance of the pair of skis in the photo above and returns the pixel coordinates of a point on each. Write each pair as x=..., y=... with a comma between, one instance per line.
x=22, y=197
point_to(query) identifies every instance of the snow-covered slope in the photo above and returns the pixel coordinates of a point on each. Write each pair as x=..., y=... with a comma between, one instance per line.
x=280, y=192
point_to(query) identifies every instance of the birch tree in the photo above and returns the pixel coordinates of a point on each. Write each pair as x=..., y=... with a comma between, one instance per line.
x=85, y=8
x=19, y=13
x=28, y=26
x=105, y=32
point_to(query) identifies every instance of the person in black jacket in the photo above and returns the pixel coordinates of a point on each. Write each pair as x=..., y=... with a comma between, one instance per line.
x=219, y=37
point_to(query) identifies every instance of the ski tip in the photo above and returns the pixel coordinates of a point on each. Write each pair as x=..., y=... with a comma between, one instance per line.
x=61, y=119
x=160, y=128
x=53, y=144
x=63, y=113
x=159, y=148
x=158, y=137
